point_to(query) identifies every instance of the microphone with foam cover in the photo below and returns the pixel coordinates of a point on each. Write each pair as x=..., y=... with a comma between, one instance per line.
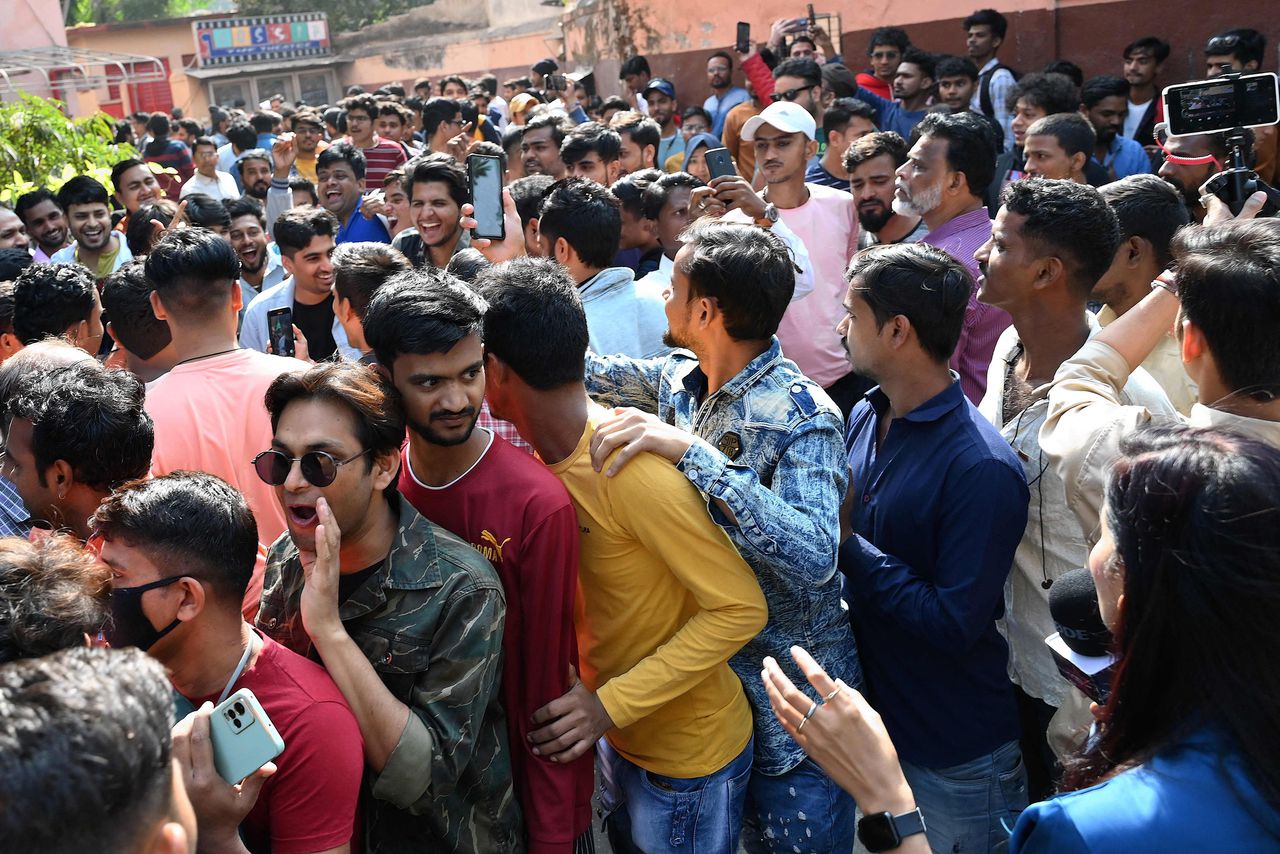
x=1073, y=604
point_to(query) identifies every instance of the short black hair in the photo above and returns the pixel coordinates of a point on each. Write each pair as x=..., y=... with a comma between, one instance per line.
x=1103, y=86
x=874, y=145
x=48, y=299
x=452, y=78
x=558, y=123
x=842, y=111
x=360, y=101
x=1069, y=220
x=53, y=592
x=12, y=262
x=123, y=166
x=436, y=111
x=360, y=269
x=1229, y=282
x=535, y=322
x=1073, y=132
x=126, y=297
x=6, y=304
x=990, y=18
x=658, y=189
x=254, y=154
x=1067, y=69
x=629, y=190
x=206, y=211
x=263, y=121
x=192, y=128
x=441, y=168
x=1053, y=93
x=1242, y=43
x=421, y=312
x=528, y=193
x=1149, y=207
x=158, y=125
x=1157, y=47
x=85, y=751
x=920, y=282
x=971, y=146
x=806, y=69
x=364, y=392
x=202, y=140
x=82, y=190
x=588, y=138
x=27, y=201
x=190, y=520
x=748, y=271
x=633, y=65
x=689, y=112
x=342, y=152
x=892, y=36
x=587, y=216
x=614, y=102
x=642, y=130
x=466, y=265
x=955, y=66
x=721, y=54
x=925, y=61
x=194, y=271
x=297, y=227
x=242, y=136
x=305, y=186
x=246, y=206
x=139, y=234
x=89, y=416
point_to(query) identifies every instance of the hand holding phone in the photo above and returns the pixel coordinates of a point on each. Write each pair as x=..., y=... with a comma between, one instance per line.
x=743, y=44
x=484, y=176
x=220, y=806
x=280, y=331
x=243, y=737
x=720, y=163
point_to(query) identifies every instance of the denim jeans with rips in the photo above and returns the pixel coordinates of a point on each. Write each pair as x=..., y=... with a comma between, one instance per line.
x=647, y=813
x=802, y=811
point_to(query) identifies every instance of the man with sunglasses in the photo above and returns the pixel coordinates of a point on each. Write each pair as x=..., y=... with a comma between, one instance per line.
x=208, y=409
x=799, y=81
x=406, y=618
x=181, y=549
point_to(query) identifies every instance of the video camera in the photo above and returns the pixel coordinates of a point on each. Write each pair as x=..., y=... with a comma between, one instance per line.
x=1228, y=104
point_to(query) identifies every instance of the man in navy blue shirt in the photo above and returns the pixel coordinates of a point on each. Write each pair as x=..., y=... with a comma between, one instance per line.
x=937, y=508
x=340, y=185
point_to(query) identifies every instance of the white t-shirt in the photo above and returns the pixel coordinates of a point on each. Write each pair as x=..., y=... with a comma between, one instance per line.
x=1131, y=121
x=221, y=187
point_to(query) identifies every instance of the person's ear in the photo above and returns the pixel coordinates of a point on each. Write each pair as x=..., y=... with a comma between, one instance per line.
x=1135, y=249
x=385, y=468
x=9, y=344
x=171, y=838
x=563, y=252
x=287, y=263
x=193, y=599
x=237, y=297
x=1051, y=270
x=109, y=327
x=360, y=182
x=157, y=307
x=810, y=149
x=1077, y=161
x=1193, y=344
x=60, y=476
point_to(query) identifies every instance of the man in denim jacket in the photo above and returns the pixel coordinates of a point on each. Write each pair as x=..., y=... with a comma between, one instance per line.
x=765, y=445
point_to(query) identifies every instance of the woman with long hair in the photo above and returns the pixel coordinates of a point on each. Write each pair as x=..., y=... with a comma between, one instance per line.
x=1187, y=752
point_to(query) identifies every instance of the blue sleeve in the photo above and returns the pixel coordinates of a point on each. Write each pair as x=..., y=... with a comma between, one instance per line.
x=1046, y=828
x=984, y=515
x=624, y=381
x=795, y=523
x=882, y=106
x=579, y=115
x=1131, y=159
x=253, y=331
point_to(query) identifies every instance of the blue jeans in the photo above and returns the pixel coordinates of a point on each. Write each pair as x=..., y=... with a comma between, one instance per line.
x=650, y=814
x=799, y=811
x=971, y=807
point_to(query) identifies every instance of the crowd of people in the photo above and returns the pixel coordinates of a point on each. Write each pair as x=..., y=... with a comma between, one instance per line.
x=501, y=531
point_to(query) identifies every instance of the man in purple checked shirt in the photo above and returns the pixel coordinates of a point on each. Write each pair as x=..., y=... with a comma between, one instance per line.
x=946, y=174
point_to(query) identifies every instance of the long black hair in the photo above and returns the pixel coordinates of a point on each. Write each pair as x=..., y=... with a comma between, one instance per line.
x=1195, y=515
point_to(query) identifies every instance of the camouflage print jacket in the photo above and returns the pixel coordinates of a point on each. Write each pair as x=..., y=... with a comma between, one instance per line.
x=430, y=622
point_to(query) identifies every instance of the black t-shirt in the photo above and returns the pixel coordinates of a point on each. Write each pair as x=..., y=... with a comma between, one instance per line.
x=316, y=323
x=350, y=583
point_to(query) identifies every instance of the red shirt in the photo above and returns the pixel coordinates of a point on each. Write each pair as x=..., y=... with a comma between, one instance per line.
x=874, y=84
x=309, y=804
x=519, y=516
x=379, y=160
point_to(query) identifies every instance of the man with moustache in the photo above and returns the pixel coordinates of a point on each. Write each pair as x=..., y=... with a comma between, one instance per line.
x=46, y=223
x=260, y=266
x=540, y=146
x=437, y=189
x=1105, y=103
x=96, y=246
x=871, y=163
x=1191, y=160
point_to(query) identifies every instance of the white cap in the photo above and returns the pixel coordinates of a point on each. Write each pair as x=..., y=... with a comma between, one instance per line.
x=786, y=116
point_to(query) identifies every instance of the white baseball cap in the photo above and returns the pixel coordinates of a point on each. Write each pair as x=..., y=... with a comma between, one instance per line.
x=786, y=116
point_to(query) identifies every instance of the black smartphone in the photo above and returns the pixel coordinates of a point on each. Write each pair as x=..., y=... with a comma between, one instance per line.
x=280, y=331
x=484, y=176
x=720, y=163
x=1210, y=106
x=557, y=83
x=813, y=19
x=744, y=37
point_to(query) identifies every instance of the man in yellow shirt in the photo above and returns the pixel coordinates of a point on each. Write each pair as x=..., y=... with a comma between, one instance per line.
x=308, y=141
x=664, y=600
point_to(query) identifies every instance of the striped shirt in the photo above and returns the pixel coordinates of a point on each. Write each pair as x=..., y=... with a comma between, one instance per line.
x=380, y=159
x=960, y=238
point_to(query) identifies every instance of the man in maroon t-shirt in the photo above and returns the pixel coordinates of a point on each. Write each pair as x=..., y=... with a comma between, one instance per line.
x=181, y=550
x=424, y=327
x=381, y=156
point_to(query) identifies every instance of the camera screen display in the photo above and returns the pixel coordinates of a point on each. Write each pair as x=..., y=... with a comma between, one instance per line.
x=1216, y=105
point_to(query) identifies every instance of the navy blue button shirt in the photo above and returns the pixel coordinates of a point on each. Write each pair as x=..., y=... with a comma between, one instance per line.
x=938, y=511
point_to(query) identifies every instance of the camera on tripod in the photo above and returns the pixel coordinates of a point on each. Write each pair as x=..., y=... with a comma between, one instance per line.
x=1228, y=104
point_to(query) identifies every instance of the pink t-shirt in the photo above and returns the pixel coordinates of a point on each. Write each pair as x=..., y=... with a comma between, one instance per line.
x=209, y=417
x=828, y=225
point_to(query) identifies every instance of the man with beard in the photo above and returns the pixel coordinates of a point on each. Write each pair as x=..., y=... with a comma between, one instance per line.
x=437, y=189
x=724, y=95
x=661, y=96
x=45, y=221
x=871, y=163
x=1191, y=160
x=913, y=84
x=96, y=246
x=425, y=330
x=1143, y=60
x=946, y=174
x=254, y=168
x=1105, y=103
x=540, y=146
x=260, y=266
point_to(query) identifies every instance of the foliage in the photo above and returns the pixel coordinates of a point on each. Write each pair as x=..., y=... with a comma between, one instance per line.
x=345, y=16
x=111, y=11
x=42, y=147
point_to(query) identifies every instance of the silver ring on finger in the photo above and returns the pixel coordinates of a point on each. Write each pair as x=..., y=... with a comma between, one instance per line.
x=813, y=707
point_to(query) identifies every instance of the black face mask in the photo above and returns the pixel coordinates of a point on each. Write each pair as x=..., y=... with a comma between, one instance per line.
x=129, y=626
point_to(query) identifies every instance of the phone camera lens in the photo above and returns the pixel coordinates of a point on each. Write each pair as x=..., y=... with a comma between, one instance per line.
x=239, y=707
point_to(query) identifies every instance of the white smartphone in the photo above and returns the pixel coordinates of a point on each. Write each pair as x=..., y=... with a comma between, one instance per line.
x=244, y=739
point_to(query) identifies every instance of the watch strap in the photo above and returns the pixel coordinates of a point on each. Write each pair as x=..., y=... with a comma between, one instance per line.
x=899, y=828
x=909, y=823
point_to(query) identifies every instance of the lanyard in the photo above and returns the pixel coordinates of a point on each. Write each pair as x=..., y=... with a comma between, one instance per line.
x=244, y=659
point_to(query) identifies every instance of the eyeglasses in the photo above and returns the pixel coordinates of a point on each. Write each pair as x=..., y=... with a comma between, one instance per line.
x=319, y=468
x=791, y=94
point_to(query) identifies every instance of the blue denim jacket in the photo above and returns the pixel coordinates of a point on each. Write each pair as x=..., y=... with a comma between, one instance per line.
x=770, y=446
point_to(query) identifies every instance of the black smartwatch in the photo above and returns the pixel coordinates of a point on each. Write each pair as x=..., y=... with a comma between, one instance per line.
x=884, y=831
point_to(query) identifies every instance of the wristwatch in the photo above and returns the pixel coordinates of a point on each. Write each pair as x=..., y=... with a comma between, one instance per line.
x=769, y=217
x=885, y=831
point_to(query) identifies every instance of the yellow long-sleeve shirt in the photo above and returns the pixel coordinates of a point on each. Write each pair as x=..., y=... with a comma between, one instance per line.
x=664, y=600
